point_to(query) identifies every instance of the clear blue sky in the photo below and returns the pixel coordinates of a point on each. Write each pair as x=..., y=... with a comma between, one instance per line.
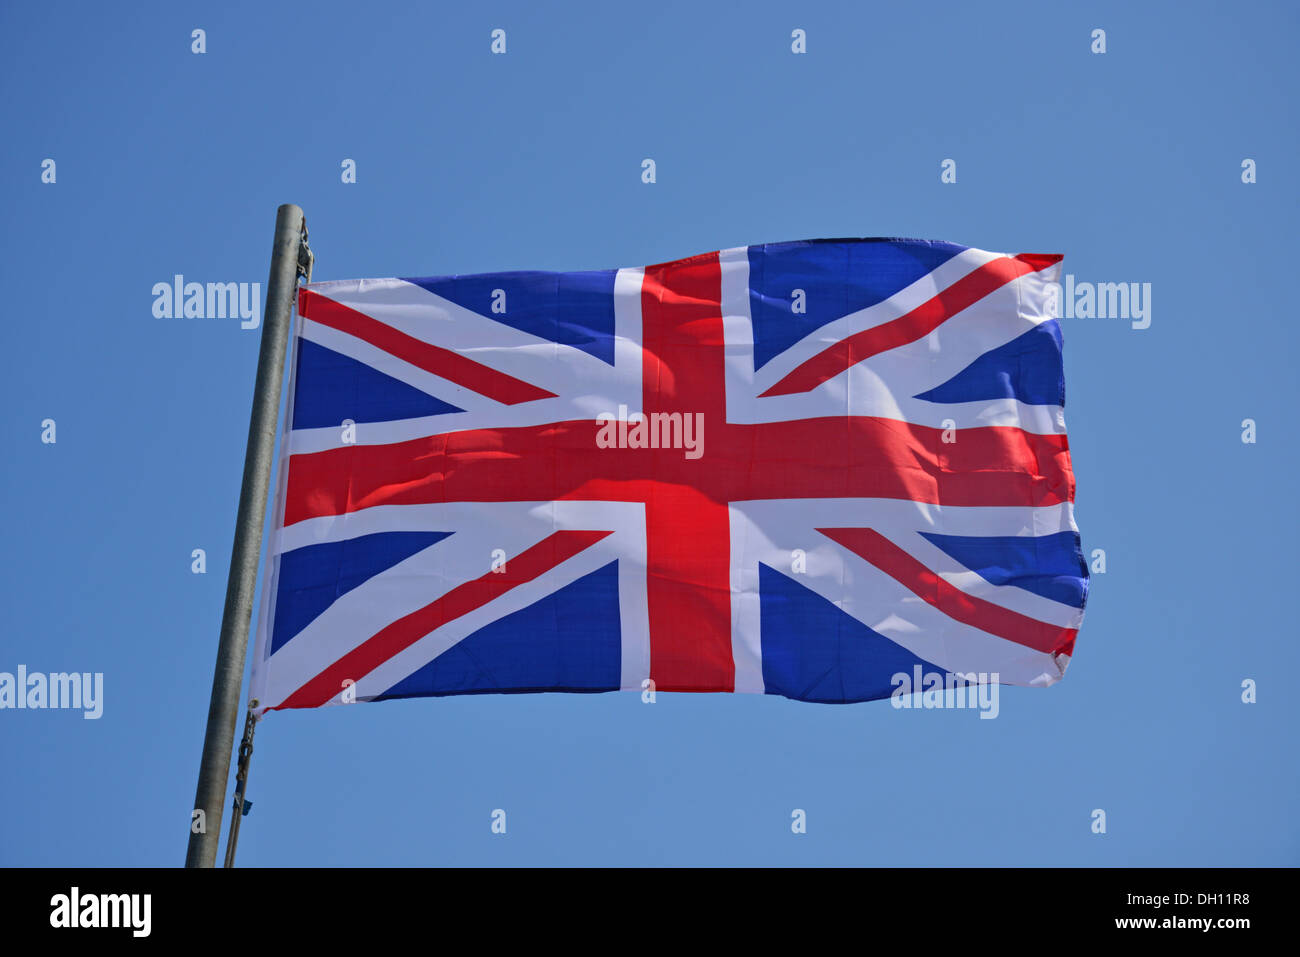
x=1129, y=163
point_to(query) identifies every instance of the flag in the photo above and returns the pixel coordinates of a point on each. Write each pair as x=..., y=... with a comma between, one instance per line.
x=800, y=469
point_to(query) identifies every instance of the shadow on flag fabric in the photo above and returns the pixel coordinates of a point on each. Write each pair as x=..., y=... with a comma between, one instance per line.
x=799, y=469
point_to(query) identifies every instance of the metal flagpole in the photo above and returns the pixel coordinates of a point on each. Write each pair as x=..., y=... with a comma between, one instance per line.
x=290, y=258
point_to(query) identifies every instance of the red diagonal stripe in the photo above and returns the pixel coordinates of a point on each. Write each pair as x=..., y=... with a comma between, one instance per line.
x=952, y=601
x=920, y=322
x=460, y=601
x=441, y=362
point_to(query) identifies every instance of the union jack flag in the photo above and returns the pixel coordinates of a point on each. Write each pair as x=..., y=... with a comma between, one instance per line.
x=798, y=468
